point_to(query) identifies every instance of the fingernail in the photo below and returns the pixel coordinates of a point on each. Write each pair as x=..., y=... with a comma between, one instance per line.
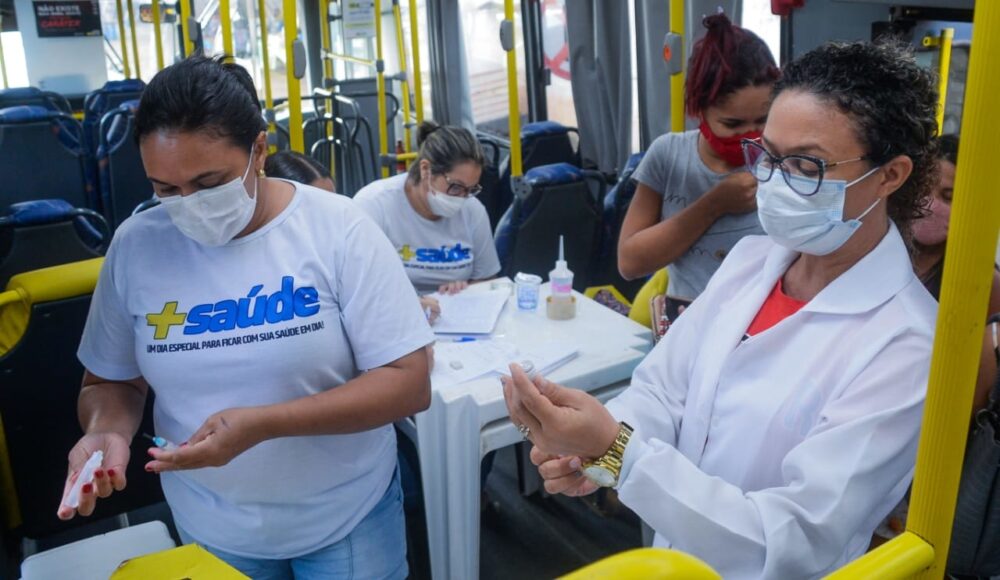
x=575, y=463
x=149, y=469
x=99, y=473
x=88, y=488
x=111, y=473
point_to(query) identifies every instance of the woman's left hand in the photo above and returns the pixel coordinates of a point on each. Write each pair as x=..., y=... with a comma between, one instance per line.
x=560, y=420
x=222, y=437
x=453, y=287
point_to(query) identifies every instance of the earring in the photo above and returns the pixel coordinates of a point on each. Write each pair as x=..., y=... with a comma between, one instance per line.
x=260, y=172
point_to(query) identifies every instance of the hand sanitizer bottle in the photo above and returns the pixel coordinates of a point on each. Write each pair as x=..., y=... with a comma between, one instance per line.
x=561, y=304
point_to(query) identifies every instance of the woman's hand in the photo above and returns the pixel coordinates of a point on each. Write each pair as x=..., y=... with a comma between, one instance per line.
x=561, y=421
x=736, y=194
x=222, y=437
x=562, y=474
x=432, y=308
x=453, y=287
x=108, y=478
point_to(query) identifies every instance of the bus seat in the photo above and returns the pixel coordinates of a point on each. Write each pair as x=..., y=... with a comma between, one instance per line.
x=40, y=156
x=490, y=181
x=123, y=181
x=42, y=314
x=542, y=143
x=561, y=202
x=34, y=96
x=616, y=203
x=38, y=234
x=95, y=106
x=655, y=285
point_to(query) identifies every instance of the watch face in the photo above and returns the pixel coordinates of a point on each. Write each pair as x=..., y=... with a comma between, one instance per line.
x=599, y=475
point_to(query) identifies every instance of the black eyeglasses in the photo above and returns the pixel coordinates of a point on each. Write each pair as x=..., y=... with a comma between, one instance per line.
x=803, y=173
x=456, y=189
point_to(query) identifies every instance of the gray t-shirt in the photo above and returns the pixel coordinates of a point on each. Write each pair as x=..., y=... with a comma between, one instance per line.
x=673, y=168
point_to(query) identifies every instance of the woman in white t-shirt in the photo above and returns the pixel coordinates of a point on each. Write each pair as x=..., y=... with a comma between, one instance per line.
x=431, y=215
x=256, y=310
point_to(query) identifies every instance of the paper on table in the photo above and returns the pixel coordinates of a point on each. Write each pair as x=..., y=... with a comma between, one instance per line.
x=469, y=312
x=459, y=362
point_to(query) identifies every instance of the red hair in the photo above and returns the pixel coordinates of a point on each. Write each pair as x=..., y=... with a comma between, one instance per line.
x=726, y=59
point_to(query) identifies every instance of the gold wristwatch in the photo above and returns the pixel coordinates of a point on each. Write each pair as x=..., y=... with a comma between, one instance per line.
x=604, y=470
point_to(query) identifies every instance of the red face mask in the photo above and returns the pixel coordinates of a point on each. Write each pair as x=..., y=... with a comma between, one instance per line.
x=729, y=149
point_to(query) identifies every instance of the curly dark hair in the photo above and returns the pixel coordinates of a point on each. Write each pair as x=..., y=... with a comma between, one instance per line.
x=892, y=101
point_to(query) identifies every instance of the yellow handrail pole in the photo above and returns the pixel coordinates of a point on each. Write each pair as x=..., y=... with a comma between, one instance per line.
x=944, y=66
x=226, y=22
x=296, y=138
x=677, y=80
x=965, y=291
x=158, y=35
x=265, y=55
x=897, y=559
x=332, y=56
x=324, y=27
x=383, y=130
x=404, y=84
x=418, y=87
x=121, y=37
x=185, y=28
x=507, y=35
x=3, y=63
x=135, y=41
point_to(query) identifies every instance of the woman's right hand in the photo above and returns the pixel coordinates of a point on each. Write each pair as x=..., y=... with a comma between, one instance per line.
x=431, y=307
x=736, y=194
x=108, y=478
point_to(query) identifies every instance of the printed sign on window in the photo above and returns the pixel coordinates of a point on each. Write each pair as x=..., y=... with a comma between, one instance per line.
x=55, y=18
x=359, y=19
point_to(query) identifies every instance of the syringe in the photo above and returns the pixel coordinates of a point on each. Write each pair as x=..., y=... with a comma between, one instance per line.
x=160, y=442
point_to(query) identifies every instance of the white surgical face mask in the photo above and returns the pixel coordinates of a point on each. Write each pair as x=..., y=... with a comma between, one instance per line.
x=214, y=216
x=444, y=205
x=809, y=224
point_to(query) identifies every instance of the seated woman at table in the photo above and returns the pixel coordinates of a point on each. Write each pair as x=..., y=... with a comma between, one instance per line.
x=295, y=166
x=264, y=332
x=777, y=422
x=431, y=214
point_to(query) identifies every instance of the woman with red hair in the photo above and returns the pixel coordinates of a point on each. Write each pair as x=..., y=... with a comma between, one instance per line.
x=695, y=199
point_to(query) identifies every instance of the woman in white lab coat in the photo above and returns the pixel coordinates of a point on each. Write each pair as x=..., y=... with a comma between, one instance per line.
x=777, y=422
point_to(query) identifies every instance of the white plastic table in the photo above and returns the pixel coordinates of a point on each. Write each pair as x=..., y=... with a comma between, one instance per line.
x=466, y=421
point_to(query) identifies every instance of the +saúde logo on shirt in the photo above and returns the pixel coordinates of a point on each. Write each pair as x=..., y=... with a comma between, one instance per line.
x=444, y=254
x=255, y=309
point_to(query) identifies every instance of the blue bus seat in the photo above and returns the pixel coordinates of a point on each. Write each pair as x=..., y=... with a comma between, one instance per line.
x=616, y=204
x=123, y=181
x=38, y=234
x=40, y=156
x=42, y=315
x=97, y=104
x=561, y=202
x=542, y=143
x=34, y=96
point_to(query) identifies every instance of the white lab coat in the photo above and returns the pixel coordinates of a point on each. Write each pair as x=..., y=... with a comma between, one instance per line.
x=778, y=456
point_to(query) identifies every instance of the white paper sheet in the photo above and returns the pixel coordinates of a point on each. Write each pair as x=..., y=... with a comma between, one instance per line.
x=458, y=362
x=470, y=312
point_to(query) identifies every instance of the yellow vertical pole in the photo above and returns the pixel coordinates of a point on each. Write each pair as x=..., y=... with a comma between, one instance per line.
x=383, y=130
x=507, y=36
x=121, y=38
x=965, y=292
x=3, y=63
x=158, y=35
x=226, y=22
x=404, y=84
x=944, y=66
x=418, y=87
x=265, y=55
x=185, y=28
x=297, y=141
x=677, y=80
x=135, y=41
x=326, y=45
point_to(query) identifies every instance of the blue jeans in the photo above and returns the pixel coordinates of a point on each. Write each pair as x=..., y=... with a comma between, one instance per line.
x=375, y=548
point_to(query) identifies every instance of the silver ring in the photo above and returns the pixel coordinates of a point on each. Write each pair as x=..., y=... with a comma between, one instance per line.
x=525, y=431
